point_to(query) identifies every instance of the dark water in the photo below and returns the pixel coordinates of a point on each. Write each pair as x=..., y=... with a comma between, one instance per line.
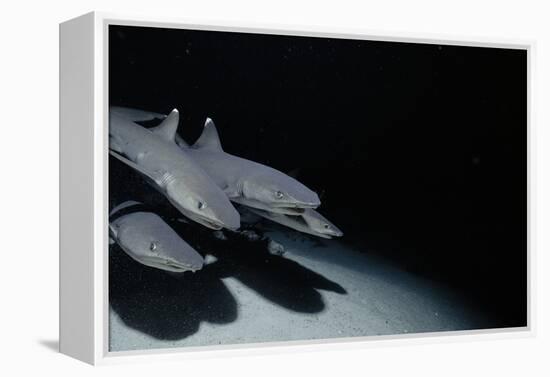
x=418, y=151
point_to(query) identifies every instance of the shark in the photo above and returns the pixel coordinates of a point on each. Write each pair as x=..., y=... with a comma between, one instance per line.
x=146, y=238
x=136, y=115
x=310, y=221
x=247, y=182
x=154, y=153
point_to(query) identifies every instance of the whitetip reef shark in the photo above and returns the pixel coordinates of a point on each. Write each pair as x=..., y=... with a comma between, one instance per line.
x=146, y=238
x=247, y=182
x=244, y=182
x=310, y=221
x=171, y=170
x=265, y=191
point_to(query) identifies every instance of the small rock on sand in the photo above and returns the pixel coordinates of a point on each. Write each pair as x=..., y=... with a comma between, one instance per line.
x=251, y=235
x=275, y=247
x=218, y=234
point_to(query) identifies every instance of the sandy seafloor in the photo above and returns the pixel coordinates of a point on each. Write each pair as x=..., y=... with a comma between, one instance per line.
x=331, y=291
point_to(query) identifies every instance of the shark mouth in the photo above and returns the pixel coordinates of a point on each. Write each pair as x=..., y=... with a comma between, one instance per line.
x=280, y=208
x=289, y=210
x=297, y=205
x=169, y=265
x=322, y=235
x=209, y=223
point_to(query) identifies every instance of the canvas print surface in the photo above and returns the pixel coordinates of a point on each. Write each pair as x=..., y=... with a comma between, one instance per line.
x=268, y=188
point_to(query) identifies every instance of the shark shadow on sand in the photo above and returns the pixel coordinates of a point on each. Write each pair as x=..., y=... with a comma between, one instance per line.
x=170, y=307
x=278, y=279
x=165, y=306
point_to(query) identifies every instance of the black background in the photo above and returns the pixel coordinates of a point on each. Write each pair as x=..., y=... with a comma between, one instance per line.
x=418, y=151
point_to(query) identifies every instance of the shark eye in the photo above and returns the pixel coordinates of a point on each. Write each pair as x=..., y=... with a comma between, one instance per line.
x=326, y=226
x=153, y=246
x=279, y=194
x=202, y=205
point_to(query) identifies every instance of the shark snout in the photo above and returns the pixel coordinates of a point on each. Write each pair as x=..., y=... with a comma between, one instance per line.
x=309, y=204
x=230, y=219
x=337, y=232
x=314, y=201
x=307, y=201
x=221, y=213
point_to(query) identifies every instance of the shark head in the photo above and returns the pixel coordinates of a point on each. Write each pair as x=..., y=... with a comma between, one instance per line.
x=208, y=206
x=278, y=190
x=320, y=225
x=149, y=240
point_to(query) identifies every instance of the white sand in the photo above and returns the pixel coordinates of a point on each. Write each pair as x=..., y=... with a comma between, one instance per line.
x=378, y=300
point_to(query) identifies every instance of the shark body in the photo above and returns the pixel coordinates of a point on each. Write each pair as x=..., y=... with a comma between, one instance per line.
x=263, y=190
x=310, y=221
x=146, y=238
x=247, y=182
x=171, y=170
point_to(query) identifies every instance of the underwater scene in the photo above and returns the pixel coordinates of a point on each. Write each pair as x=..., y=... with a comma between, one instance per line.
x=270, y=188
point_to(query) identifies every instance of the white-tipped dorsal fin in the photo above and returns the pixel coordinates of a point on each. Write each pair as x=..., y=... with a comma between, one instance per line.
x=209, y=138
x=167, y=129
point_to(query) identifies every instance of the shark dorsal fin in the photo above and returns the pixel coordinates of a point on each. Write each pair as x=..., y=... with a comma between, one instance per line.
x=167, y=129
x=209, y=138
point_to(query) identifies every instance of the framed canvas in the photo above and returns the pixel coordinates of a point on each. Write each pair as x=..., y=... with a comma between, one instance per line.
x=232, y=188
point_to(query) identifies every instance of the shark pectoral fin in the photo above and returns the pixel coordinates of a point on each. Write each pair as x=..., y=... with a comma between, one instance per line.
x=209, y=138
x=230, y=192
x=167, y=129
x=112, y=234
x=113, y=145
x=136, y=167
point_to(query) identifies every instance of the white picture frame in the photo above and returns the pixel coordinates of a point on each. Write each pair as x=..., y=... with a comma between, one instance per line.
x=84, y=191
